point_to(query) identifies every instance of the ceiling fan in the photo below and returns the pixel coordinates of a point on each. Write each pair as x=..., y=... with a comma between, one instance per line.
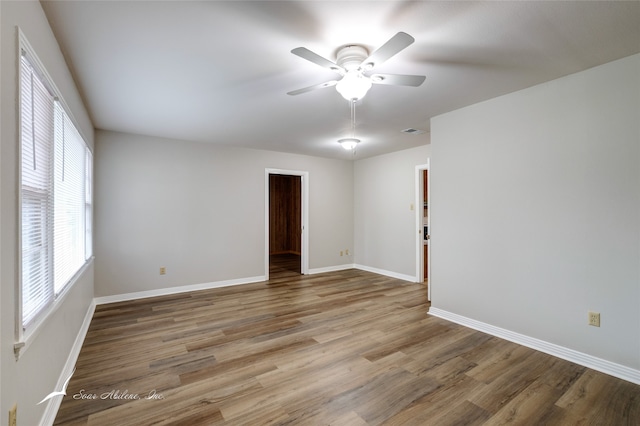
x=354, y=64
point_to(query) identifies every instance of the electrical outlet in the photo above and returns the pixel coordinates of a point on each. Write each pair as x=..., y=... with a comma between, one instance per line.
x=341, y=253
x=594, y=319
x=347, y=252
x=163, y=270
x=13, y=415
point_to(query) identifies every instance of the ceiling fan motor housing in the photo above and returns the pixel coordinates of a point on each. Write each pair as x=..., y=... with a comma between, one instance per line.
x=350, y=57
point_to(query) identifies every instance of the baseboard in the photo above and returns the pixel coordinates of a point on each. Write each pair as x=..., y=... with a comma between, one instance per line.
x=598, y=364
x=53, y=405
x=331, y=268
x=206, y=286
x=363, y=268
x=175, y=290
x=387, y=273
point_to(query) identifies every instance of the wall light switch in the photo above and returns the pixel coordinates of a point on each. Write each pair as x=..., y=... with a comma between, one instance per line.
x=163, y=270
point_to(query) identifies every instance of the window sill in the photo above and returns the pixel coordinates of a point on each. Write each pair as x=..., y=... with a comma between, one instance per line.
x=28, y=337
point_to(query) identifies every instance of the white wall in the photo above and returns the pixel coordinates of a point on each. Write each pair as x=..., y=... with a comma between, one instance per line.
x=535, y=211
x=28, y=380
x=385, y=225
x=198, y=210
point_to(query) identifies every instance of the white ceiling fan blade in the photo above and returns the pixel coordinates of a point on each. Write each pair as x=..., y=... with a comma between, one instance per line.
x=305, y=53
x=394, y=45
x=314, y=87
x=398, y=79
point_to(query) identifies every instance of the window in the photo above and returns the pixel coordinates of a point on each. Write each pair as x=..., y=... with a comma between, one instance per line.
x=55, y=191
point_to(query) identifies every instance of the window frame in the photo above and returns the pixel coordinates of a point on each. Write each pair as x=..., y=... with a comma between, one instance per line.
x=25, y=335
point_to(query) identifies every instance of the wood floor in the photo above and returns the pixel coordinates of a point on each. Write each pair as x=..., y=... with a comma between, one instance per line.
x=284, y=265
x=342, y=348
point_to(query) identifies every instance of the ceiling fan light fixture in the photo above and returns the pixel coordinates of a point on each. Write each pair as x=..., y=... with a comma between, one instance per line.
x=353, y=86
x=349, y=143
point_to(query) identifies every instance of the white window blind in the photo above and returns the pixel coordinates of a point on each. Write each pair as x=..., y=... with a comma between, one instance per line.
x=55, y=185
x=88, y=200
x=69, y=191
x=37, y=192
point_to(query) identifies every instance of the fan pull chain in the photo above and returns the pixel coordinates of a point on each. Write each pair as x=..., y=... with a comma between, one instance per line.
x=353, y=119
x=353, y=123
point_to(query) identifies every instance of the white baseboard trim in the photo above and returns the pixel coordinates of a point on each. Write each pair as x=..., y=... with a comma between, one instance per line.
x=331, y=268
x=363, y=268
x=598, y=364
x=175, y=290
x=50, y=412
x=387, y=273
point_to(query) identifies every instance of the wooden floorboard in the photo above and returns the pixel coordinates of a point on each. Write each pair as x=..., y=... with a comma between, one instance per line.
x=341, y=348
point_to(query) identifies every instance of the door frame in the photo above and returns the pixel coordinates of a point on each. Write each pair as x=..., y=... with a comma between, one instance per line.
x=304, y=243
x=419, y=184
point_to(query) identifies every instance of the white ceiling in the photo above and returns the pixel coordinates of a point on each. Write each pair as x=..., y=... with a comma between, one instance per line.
x=219, y=71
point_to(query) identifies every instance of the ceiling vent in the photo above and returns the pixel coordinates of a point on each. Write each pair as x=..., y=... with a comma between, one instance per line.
x=413, y=131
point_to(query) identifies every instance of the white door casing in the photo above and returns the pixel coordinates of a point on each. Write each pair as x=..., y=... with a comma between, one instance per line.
x=304, y=244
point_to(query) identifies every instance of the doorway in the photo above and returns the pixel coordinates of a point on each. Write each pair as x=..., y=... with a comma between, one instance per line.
x=286, y=242
x=285, y=224
x=423, y=237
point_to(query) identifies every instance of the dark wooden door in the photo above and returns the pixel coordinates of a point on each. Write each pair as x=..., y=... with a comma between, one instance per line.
x=285, y=214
